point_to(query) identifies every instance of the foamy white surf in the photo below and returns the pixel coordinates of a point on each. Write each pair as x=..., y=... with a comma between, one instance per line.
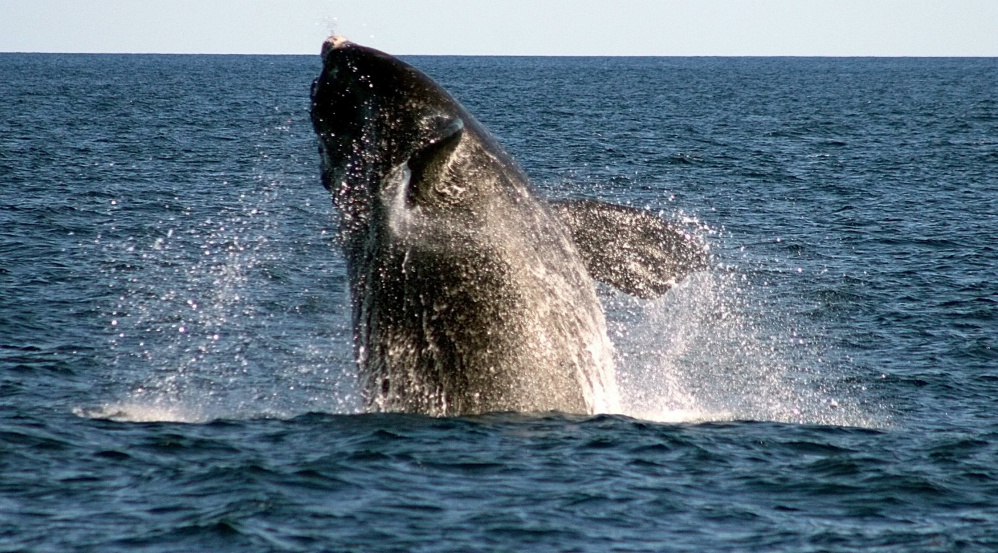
x=135, y=412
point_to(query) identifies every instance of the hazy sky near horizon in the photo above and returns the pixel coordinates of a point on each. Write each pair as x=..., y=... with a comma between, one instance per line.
x=508, y=27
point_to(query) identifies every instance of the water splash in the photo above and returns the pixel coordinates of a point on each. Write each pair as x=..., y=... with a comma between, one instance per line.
x=210, y=322
x=714, y=348
x=205, y=317
x=156, y=411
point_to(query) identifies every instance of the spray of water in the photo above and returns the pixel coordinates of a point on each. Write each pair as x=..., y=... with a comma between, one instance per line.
x=715, y=348
x=204, y=322
x=204, y=328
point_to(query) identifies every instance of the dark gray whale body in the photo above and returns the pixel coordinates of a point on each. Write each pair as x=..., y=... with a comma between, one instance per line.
x=470, y=294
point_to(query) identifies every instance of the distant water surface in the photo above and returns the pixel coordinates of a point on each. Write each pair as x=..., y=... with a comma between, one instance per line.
x=176, y=367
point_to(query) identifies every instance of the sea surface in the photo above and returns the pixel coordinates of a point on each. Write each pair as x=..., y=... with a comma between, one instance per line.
x=176, y=366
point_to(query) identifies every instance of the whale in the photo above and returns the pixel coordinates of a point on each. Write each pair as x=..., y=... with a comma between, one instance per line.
x=470, y=292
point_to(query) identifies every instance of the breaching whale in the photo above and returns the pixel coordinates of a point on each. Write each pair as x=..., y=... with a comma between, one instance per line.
x=469, y=292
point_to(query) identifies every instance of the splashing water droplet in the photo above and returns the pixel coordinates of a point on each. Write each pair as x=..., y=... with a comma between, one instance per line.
x=711, y=349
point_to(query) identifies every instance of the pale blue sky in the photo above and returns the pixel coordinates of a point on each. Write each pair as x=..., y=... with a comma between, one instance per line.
x=538, y=27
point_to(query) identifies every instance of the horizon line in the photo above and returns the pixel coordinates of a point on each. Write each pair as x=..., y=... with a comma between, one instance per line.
x=285, y=54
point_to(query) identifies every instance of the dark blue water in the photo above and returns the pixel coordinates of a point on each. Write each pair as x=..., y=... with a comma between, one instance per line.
x=175, y=362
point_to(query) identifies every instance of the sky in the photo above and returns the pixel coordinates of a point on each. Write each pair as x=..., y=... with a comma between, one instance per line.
x=508, y=27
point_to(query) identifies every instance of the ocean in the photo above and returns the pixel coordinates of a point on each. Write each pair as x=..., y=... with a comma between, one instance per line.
x=176, y=365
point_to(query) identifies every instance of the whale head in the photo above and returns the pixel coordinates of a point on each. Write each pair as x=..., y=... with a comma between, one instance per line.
x=391, y=139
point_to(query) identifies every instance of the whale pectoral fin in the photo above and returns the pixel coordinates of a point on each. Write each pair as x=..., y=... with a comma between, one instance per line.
x=631, y=249
x=429, y=160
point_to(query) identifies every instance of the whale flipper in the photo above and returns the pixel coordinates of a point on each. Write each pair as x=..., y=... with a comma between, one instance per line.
x=631, y=249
